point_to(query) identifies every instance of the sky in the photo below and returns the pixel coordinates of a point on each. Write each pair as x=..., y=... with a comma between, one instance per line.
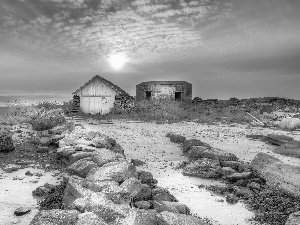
x=225, y=48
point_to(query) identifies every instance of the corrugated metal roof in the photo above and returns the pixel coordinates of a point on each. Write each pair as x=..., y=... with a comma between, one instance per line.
x=107, y=82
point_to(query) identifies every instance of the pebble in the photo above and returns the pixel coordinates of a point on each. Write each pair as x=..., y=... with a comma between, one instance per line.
x=22, y=211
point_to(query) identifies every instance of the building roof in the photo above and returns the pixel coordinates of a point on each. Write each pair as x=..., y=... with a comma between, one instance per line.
x=163, y=82
x=107, y=82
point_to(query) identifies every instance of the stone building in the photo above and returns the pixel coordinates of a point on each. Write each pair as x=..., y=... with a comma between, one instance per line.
x=177, y=90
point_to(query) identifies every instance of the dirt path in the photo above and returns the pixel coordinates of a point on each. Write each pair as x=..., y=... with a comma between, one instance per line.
x=147, y=142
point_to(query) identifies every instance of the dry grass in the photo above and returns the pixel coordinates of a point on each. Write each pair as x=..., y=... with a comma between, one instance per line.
x=173, y=111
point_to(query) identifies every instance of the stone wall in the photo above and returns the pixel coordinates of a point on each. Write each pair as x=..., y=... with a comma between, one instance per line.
x=164, y=90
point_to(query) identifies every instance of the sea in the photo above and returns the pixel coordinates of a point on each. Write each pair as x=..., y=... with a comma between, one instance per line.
x=28, y=99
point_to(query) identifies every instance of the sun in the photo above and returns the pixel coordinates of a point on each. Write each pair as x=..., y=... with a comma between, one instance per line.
x=118, y=60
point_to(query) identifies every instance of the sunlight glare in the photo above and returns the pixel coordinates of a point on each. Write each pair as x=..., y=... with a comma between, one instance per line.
x=118, y=60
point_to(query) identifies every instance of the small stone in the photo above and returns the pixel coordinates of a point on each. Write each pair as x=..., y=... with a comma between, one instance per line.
x=11, y=169
x=231, y=198
x=28, y=173
x=219, y=200
x=22, y=211
x=253, y=185
x=137, y=162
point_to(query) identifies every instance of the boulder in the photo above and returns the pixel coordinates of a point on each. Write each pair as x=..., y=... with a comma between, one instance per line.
x=162, y=194
x=137, y=191
x=174, y=207
x=226, y=171
x=181, y=219
x=137, y=162
x=147, y=178
x=203, y=168
x=277, y=174
x=102, y=142
x=82, y=167
x=243, y=192
x=22, y=211
x=197, y=152
x=55, y=217
x=118, y=149
x=239, y=176
x=176, y=138
x=103, y=156
x=105, y=208
x=98, y=186
x=6, y=142
x=293, y=219
x=143, y=217
x=90, y=218
x=79, y=155
x=142, y=204
x=114, y=171
x=74, y=190
x=277, y=139
x=231, y=198
x=193, y=142
x=48, y=120
x=232, y=164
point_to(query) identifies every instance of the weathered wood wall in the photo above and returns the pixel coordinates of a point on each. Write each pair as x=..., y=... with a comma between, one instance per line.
x=96, y=97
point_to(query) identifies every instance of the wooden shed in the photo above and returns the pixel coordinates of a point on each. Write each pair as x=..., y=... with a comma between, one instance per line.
x=97, y=96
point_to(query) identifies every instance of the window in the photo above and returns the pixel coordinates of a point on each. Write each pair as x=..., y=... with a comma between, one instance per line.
x=177, y=95
x=148, y=94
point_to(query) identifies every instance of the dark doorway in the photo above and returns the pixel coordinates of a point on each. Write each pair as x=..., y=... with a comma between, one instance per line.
x=177, y=95
x=148, y=94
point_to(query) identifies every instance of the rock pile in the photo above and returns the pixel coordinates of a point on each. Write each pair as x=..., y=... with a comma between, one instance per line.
x=270, y=187
x=102, y=187
x=48, y=120
x=6, y=142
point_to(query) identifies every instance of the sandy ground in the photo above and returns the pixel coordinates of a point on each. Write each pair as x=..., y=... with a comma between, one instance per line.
x=147, y=141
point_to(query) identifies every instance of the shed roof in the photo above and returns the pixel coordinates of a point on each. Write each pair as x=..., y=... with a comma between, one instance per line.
x=107, y=82
x=163, y=82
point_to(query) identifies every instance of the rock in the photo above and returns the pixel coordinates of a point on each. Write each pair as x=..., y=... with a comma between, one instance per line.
x=278, y=139
x=239, y=176
x=277, y=174
x=48, y=120
x=253, y=185
x=203, y=168
x=90, y=218
x=162, y=194
x=82, y=167
x=232, y=164
x=181, y=219
x=11, y=169
x=42, y=149
x=136, y=190
x=28, y=173
x=174, y=207
x=137, y=162
x=197, y=152
x=65, y=152
x=114, y=171
x=74, y=190
x=22, y=211
x=104, y=208
x=176, y=138
x=55, y=217
x=294, y=219
x=142, y=204
x=103, y=156
x=193, y=142
x=143, y=217
x=42, y=190
x=243, y=192
x=226, y=171
x=102, y=142
x=147, y=178
x=231, y=198
x=79, y=155
x=6, y=142
x=118, y=149
x=98, y=186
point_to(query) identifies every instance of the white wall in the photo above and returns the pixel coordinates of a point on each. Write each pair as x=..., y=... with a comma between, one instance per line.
x=96, y=97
